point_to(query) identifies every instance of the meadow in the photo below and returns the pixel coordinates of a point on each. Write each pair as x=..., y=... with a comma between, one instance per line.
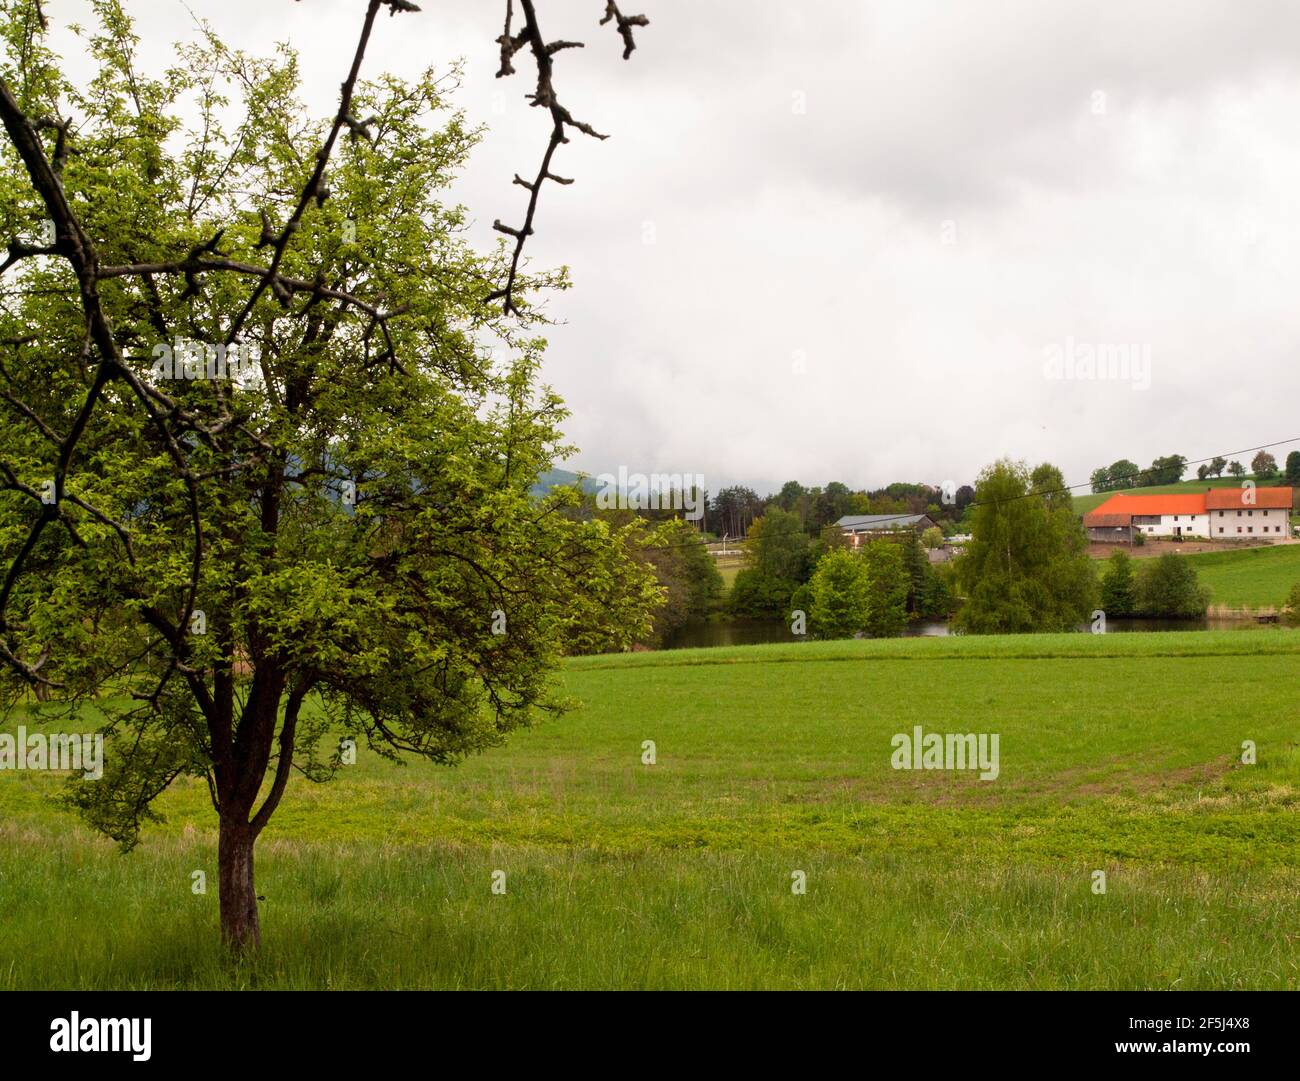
x=1249, y=577
x=1118, y=753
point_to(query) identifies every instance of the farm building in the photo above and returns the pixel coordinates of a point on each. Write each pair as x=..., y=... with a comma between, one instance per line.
x=858, y=526
x=1215, y=514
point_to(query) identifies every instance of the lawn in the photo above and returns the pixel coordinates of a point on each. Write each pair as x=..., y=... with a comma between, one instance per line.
x=1249, y=577
x=771, y=760
x=729, y=568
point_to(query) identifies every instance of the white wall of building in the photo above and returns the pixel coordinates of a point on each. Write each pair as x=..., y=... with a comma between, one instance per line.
x=1190, y=525
x=1249, y=522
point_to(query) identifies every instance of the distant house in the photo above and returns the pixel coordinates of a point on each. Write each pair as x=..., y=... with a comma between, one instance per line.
x=1215, y=514
x=858, y=526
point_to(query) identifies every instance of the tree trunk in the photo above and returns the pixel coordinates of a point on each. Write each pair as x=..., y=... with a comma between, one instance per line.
x=239, y=925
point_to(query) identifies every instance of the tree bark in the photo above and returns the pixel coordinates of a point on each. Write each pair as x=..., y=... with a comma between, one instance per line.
x=240, y=929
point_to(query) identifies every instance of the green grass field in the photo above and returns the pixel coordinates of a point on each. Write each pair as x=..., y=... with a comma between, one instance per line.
x=1118, y=753
x=1250, y=577
x=1253, y=578
x=729, y=568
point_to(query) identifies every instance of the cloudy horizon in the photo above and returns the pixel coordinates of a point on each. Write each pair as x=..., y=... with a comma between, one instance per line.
x=878, y=242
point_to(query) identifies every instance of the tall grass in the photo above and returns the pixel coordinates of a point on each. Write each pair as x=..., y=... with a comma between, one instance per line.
x=1119, y=753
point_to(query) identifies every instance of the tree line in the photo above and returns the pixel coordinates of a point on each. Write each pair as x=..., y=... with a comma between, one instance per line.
x=734, y=509
x=1171, y=468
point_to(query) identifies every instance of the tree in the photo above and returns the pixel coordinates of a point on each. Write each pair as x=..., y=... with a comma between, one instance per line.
x=263, y=485
x=777, y=546
x=1118, y=475
x=965, y=497
x=1202, y=471
x=734, y=509
x=888, y=585
x=831, y=504
x=1291, y=607
x=1292, y=476
x=840, y=595
x=1237, y=469
x=830, y=538
x=776, y=562
x=932, y=537
x=1263, y=465
x=1217, y=466
x=1117, y=588
x=1026, y=567
x=687, y=574
x=1168, y=587
x=1126, y=474
x=1048, y=482
x=790, y=495
x=1166, y=470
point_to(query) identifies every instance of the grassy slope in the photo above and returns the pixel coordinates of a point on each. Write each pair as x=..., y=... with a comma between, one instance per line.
x=729, y=568
x=770, y=759
x=1256, y=578
x=1251, y=577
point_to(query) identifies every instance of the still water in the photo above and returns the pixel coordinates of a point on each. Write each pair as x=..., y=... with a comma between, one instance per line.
x=751, y=632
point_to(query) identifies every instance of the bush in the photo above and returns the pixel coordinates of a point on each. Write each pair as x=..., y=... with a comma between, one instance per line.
x=1117, y=587
x=928, y=595
x=802, y=601
x=841, y=595
x=1291, y=607
x=1168, y=587
x=860, y=592
x=755, y=595
x=888, y=585
x=686, y=573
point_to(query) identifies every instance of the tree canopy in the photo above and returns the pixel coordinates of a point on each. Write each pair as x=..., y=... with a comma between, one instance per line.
x=1026, y=567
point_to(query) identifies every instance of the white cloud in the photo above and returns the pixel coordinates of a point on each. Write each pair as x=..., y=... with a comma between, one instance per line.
x=1168, y=219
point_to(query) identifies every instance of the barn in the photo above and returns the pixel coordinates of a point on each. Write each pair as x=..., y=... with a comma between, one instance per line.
x=1245, y=513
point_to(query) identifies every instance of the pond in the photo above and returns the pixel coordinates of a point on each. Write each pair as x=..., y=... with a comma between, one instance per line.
x=752, y=632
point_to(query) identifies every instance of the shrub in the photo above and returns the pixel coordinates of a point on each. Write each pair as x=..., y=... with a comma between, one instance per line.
x=1291, y=607
x=841, y=595
x=755, y=595
x=888, y=585
x=1117, y=587
x=1168, y=587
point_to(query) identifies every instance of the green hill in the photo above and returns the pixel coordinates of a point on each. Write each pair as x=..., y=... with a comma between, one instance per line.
x=554, y=478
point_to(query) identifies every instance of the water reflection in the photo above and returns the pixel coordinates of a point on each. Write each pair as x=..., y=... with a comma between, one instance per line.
x=751, y=632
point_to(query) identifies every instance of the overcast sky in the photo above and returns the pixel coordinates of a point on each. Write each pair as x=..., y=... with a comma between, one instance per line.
x=842, y=240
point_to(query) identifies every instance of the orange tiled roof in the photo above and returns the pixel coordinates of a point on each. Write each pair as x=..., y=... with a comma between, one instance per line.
x=1113, y=521
x=1119, y=507
x=1234, y=498
x=1193, y=503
